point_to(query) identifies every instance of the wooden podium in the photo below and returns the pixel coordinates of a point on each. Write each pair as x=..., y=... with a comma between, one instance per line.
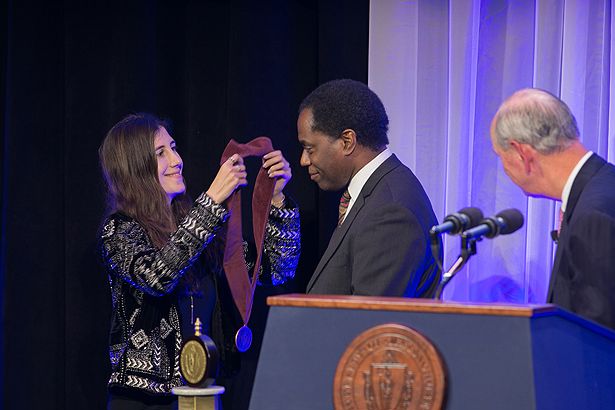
x=497, y=356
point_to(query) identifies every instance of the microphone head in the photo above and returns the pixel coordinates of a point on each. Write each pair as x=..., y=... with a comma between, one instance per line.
x=513, y=220
x=463, y=219
x=475, y=216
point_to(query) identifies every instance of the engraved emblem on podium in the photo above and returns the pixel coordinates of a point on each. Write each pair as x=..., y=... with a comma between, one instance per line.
x=389, y=367
x=382, y=387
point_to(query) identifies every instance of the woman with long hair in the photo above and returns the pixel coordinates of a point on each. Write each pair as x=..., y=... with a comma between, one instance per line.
x=161, y=250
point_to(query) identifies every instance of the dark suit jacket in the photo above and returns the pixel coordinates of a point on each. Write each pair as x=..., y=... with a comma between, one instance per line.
x=382, y=248
x=583, y=277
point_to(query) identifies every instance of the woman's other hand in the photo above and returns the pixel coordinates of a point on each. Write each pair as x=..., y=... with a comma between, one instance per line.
x=277, y=167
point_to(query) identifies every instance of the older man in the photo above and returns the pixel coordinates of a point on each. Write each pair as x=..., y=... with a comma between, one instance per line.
x=381, y=244
x=536, y=137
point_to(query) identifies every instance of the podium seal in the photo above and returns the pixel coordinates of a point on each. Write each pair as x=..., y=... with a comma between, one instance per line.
x=389, y=367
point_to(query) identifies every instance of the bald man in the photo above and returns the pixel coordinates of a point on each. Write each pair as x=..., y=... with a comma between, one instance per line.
x=537, y=139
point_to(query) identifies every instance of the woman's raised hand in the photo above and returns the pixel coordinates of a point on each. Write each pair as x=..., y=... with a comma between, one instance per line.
x=277, y=167
x=232, y=175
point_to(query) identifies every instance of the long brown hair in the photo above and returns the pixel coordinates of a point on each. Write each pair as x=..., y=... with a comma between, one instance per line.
x=130, y=169
x=129, y=166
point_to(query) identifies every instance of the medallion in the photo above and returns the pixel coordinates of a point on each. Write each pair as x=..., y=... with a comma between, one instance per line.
x=243, y=338
x=198, y=359
x=193, y=362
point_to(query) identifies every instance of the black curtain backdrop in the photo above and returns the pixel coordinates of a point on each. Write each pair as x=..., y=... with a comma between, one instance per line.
x=72, y=69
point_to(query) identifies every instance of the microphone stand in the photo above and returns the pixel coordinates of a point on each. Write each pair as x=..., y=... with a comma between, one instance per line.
x=435, y=249
x=468, y=248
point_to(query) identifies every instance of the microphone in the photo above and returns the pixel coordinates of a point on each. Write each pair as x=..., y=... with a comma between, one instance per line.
x=507, y=221
x=458, y=222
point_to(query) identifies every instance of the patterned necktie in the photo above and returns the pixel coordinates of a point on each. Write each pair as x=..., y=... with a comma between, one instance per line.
x=561, y=219
x=344, y=201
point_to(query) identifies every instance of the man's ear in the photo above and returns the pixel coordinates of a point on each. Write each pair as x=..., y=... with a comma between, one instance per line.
x=526, y=153
x=349, y=141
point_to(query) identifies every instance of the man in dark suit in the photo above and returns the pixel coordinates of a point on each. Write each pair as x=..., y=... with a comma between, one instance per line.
x=537, y=138
x=381, y=244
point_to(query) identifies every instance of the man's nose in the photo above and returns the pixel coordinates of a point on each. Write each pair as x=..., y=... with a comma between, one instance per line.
x=304, y=161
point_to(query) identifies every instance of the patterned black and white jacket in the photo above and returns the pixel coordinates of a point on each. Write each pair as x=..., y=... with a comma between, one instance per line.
x=145, y=336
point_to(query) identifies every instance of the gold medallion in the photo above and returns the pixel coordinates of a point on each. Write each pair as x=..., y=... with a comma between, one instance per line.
x=198, y=359
x=193, y=362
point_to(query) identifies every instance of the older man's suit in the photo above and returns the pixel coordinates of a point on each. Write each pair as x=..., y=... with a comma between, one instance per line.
x=382, y=248
x=583, y=277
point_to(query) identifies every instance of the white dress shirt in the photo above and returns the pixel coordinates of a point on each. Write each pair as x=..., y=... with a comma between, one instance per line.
x=571, y=178
x=360, y=178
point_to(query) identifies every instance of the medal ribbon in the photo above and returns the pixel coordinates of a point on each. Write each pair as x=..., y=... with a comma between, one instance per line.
x=242, y=288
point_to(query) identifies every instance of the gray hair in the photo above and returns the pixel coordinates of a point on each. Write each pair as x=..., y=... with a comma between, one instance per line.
x=537, y=118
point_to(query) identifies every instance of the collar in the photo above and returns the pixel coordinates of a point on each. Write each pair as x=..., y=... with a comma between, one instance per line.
x=360, y=178
x=572, y=177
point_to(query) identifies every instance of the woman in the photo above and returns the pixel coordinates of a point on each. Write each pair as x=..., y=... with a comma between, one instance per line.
x=157, y=248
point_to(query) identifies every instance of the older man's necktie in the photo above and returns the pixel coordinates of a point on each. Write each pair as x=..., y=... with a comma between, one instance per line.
x=555, y=234
x=344, y=201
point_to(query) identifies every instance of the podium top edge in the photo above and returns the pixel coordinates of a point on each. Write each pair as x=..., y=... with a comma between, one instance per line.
x=401, y=304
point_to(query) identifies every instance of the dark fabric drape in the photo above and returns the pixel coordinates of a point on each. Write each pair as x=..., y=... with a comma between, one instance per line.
x=70, y=70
